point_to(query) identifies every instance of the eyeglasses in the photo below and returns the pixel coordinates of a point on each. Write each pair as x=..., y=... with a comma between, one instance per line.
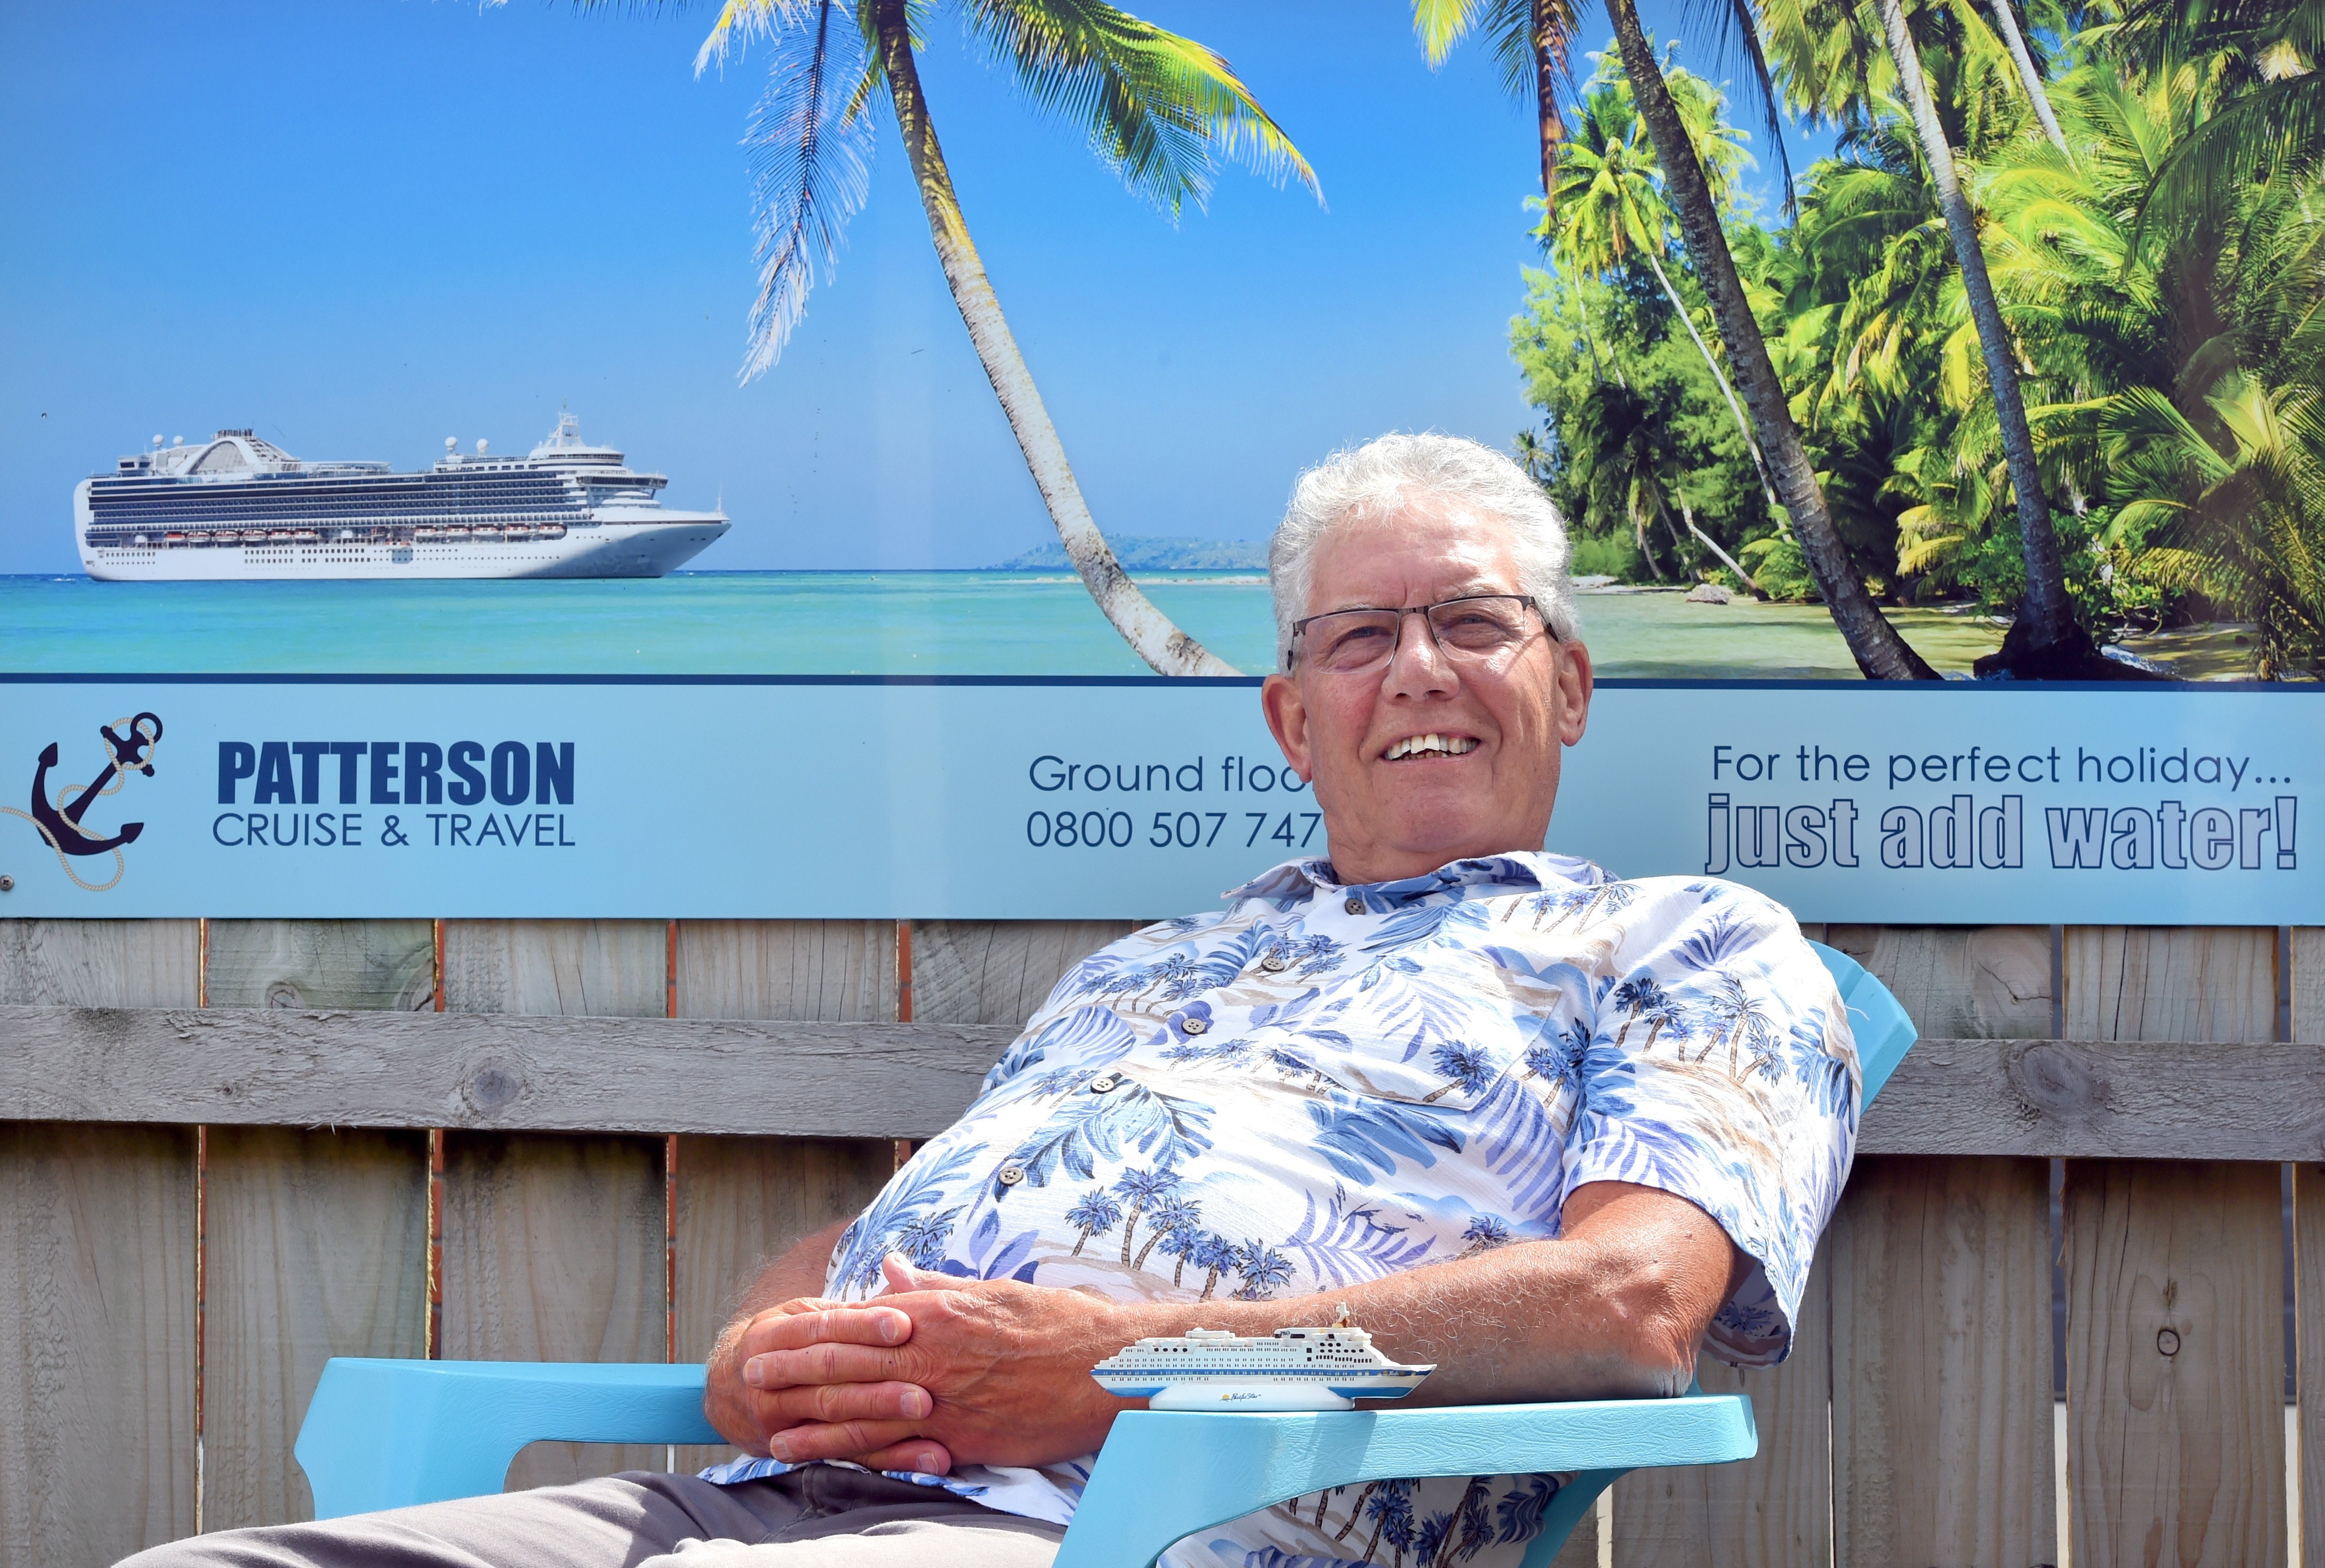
x=1475, y=626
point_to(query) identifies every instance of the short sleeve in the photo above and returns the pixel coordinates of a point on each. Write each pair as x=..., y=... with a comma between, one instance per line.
x=1720, y=1068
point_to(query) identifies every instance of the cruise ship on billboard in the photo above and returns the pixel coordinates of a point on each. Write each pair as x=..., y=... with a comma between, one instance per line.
x=237, y=506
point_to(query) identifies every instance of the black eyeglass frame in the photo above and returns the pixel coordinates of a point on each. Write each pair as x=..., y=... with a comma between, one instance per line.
x=1299, y=627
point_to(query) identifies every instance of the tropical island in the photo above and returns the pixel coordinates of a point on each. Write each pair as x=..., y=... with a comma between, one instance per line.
x=1138, y=554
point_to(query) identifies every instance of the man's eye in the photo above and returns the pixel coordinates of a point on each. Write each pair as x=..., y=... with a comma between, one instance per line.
x=1357, y=637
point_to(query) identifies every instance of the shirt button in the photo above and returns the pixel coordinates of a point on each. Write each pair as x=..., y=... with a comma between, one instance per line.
x=1355, y=906
x=1011, y=1175
x=1273, y=964
x=1103, y=1084
x=1194, y=1025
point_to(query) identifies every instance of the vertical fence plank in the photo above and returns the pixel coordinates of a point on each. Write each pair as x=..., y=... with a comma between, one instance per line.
x=2309, y=1261
x=998, y=972
x=317, y=1247
x=1941, y=1293
x=595, y=968
x=316, y=1242
x=1988, y=983
x=742, y=1201
x=2309, y=1253
x=1942, y=1363
x=553, y=1244
x=831, y=971
x=1771, y=1511
x=553, y=1251
x=96, y=1277
x=2171, y=983
x=2179, y=1456
x=2175, y=1363
x=323, y=963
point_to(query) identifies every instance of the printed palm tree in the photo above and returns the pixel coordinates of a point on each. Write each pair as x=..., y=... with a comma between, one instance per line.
x=1667, y=1016
x=1094, y=1215
x=1215, y=1255
x=1391, y=1510
x=1429, y=1541
x=1183, y=1244
x=1469, y=1067
x=1638, y=994
x=1355, y=1510
x=1323, y=1501
x=1173, y=1216
x=1264, y=1271
x=1737, y=1017
x=1476, y=1523
x=922, y=1237
x=1483, y=1233
x=1158, y=110
x=1140, y=1188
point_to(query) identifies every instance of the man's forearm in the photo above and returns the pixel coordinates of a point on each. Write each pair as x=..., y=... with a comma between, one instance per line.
x=799, y=1271
x=1617, y=1308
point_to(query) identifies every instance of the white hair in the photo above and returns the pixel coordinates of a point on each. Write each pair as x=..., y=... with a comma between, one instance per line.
x=1386, y=476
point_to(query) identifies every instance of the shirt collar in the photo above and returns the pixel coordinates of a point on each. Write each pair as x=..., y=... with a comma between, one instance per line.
x=1519, y=869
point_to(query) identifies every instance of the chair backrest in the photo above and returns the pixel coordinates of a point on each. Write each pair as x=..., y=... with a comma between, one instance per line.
x=1883, y=1031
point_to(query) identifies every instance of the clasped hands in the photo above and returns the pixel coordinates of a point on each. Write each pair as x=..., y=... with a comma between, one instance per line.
x=937, y=1372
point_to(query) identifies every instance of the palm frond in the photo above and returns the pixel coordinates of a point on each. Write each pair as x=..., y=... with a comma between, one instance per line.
x=1158, y=107
x=811, y=164
x=1440, y=25
x=1734, y=25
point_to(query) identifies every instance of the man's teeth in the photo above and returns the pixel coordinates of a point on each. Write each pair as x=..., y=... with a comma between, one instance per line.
x=1440, y=745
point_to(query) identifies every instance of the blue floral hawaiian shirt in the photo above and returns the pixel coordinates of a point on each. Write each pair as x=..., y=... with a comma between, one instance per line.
x=1325, y=1083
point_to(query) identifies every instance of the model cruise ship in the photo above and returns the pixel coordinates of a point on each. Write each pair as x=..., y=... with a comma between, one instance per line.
x=237, y=506
x=1293, y=1368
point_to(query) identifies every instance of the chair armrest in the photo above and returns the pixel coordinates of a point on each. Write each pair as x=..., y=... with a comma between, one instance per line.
x=1164, y=1475
x=390, y=1434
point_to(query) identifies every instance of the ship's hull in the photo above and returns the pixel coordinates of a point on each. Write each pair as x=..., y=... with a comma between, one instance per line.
x=648, y=544
x=1320, y=1388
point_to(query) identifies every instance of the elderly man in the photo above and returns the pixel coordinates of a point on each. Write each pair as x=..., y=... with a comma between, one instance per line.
x=1552, y=1131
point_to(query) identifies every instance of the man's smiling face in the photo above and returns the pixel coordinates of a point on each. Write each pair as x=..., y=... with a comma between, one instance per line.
x=1430, y=756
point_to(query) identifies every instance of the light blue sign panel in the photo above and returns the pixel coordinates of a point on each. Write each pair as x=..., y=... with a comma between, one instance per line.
x=1093, y=798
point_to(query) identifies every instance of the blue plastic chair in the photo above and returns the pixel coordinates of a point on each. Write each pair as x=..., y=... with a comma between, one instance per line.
x=390, y=1434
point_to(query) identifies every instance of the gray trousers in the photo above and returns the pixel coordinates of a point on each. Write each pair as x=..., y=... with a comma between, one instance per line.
x=817, y=1516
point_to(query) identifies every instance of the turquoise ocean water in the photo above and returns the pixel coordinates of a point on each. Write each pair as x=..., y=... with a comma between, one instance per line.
x=807, y=623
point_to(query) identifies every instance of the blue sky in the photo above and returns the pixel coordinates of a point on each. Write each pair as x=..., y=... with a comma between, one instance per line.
x=362, y=226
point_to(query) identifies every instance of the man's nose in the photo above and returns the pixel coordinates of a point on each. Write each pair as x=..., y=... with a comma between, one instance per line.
x=1418, y=668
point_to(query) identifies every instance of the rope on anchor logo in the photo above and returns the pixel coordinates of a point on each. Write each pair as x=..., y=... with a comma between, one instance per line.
x=119, y=769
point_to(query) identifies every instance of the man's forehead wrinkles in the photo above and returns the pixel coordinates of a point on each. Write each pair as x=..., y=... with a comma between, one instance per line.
x=1433, y=596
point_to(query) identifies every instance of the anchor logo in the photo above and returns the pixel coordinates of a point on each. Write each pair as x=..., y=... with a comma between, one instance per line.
x=59, y=820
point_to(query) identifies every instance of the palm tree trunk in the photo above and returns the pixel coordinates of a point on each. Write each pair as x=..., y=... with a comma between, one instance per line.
x=1725, y=560
x=2006, y=19
x=1759, y=462
x=1149, y=632
x=1879, y=651
x=1543, y=29
x=2045, y=633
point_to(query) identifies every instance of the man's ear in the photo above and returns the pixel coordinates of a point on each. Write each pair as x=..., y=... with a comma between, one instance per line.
x=1286, y=707
x=1575, y=683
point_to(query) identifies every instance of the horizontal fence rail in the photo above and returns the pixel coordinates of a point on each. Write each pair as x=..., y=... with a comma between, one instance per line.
x=232, y=1149
x=2085, y=1099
